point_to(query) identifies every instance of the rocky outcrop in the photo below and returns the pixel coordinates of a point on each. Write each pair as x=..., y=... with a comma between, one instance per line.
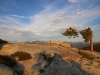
x=59, y=43
x=61, y=67
x=3, y=41
x=19, y=69
x=5, y=70
x=6, y=48
x=11, y=63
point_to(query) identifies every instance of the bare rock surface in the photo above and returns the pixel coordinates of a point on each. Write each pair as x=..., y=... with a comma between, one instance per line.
x=10, y=62
x=5, y=70
x=61, y=67
x=19, y=69
x=59, y=43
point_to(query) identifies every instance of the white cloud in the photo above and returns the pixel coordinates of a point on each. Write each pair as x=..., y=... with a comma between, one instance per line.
x=76, y=0
x=19, y=16
x=54, y=22
x=80, y=12
x=15, y=31
x=11, y=21
x=73, y=0
x=11, y=33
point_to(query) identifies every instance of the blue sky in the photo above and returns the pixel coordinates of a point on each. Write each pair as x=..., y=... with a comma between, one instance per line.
x=26, y=20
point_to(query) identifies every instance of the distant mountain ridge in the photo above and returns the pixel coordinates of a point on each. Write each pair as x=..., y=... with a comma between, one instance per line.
x=82, y=44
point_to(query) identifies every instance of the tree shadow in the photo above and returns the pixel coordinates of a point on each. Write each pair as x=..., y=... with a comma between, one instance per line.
x=41, y=62
x=46, y=64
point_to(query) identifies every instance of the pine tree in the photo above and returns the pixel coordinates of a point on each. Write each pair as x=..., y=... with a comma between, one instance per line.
x=70, y=32
x=86, y=35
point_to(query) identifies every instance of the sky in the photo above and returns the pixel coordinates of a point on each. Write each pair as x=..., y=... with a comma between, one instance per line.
x=27, y=20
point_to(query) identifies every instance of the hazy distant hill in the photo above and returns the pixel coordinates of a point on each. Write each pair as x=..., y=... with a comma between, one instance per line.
x=86, y=46
x=96, y=47
x=36, y=42
x=82, y=44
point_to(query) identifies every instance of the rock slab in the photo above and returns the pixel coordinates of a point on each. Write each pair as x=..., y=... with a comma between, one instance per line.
x=5, y=70
x=61, y=67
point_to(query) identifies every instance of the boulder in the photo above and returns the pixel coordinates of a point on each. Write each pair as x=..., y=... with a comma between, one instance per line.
x=5, y=70
x=12, y=63
x=19, y=69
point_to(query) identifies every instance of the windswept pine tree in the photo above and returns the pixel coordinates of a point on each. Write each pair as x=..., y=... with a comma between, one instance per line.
x=71, y=32
x=86, y=35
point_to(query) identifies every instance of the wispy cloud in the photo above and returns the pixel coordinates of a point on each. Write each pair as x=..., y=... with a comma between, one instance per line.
x=17, y=33
x=19, y=16
x=7, y=20
x=76, y=0
x=73, y=0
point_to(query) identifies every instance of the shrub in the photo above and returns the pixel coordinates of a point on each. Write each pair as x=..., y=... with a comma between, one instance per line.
x=8, y=60
x=22, y=55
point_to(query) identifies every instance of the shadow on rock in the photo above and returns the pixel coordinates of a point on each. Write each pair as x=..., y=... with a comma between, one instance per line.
x=55, y=65
x=2, y=42
x=42, y=61
x=11, y=63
